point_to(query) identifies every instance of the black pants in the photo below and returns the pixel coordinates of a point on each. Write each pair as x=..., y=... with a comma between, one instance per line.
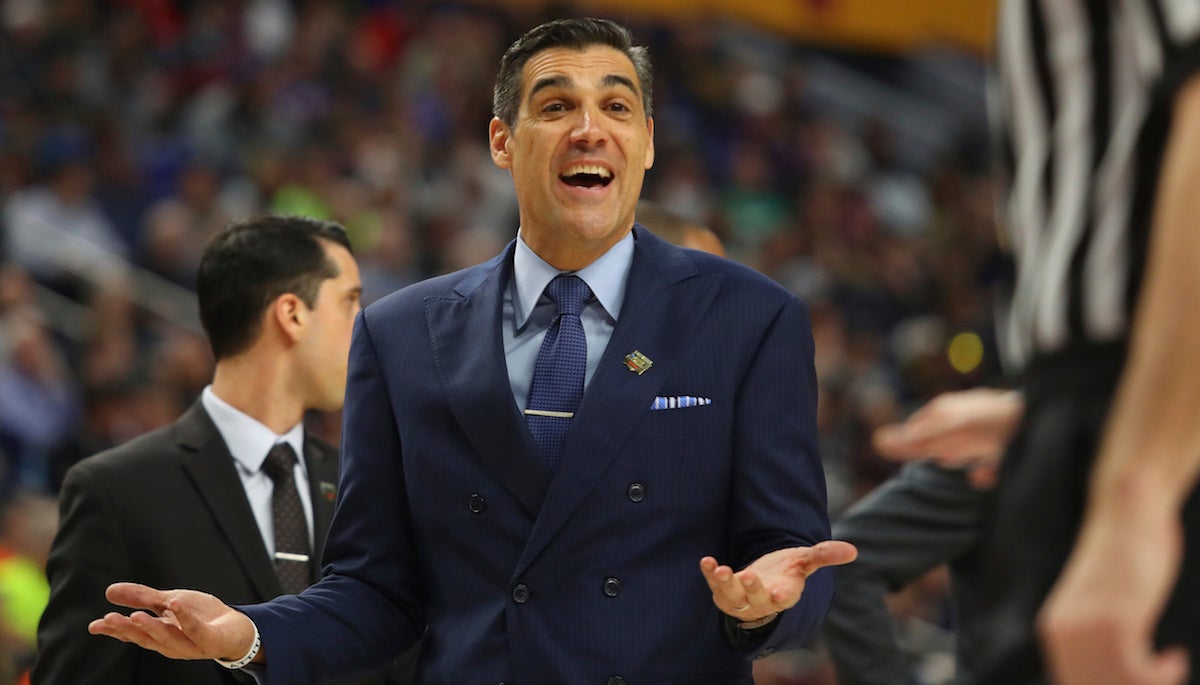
x=1031, y=528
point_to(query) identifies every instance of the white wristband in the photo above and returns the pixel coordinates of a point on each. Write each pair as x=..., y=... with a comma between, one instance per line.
x=241, y=663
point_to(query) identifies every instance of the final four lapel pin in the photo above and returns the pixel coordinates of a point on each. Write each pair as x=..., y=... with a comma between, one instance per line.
x=638, y=362
x=328, y=491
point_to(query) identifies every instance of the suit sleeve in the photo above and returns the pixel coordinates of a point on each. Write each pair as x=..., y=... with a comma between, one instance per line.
x=778, y=486
x=89, y=553
x=923, y=517
x=368, y=608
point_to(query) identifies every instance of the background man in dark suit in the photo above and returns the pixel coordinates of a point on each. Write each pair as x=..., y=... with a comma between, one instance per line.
x=541, y=449
x=192, y=505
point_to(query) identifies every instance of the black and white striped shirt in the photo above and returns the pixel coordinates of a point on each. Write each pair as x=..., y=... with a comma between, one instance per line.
x=1082, y=93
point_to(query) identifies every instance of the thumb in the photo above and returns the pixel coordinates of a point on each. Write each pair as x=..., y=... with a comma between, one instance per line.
x=1169, y=667
x=137, y=596
x=830, y=553
x=214, y=627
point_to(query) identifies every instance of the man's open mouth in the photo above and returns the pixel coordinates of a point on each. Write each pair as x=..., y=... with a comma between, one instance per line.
x=587, y=176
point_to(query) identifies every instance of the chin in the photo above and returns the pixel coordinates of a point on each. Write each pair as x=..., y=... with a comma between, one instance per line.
x=593, y=226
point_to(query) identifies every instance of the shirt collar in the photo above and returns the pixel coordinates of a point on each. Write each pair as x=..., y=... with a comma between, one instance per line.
x=606, y=277
x=248, y=440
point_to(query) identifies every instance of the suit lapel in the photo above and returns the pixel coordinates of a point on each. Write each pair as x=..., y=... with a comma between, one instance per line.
x=210, y=466
x=465, y=333
x=321, y=464
x=664, y=300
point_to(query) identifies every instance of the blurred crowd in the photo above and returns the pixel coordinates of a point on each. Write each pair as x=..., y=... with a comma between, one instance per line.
x=131, y=130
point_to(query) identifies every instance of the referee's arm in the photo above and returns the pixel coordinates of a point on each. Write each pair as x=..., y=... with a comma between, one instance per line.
x=1097, y=625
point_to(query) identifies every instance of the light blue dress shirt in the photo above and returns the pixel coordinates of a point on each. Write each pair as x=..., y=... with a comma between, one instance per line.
x=528, y=313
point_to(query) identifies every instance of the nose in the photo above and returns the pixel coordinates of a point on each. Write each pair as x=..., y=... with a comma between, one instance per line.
x=588, y=130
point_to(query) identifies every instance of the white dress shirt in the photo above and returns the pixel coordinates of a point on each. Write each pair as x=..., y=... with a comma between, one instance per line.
x=249, y=441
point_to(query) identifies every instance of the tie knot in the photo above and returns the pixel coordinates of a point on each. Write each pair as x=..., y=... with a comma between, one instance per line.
x=280, y=462
x=569, y=293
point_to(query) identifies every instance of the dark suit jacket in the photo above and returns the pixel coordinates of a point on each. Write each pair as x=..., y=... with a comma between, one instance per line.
x=448, y=518
x=925, y=516
x=166, y=509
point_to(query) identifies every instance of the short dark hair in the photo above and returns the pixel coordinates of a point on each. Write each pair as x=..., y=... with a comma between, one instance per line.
x=250, y=264
x=577, y=34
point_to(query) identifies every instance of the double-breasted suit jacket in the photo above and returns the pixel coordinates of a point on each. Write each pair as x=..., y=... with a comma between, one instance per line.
x=166, y=509
x=589, y=574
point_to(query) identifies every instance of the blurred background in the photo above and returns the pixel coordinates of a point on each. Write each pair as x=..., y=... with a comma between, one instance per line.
x=839, y=146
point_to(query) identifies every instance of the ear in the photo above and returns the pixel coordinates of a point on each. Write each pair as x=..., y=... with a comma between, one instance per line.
x=499, y=137
x=650, y=145
x=289, y=314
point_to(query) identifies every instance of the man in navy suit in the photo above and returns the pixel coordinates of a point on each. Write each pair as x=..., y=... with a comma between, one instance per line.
x=539, y=450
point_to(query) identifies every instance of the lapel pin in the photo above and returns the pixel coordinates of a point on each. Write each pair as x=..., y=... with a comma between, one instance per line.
x=637, y=362
x=328, y=491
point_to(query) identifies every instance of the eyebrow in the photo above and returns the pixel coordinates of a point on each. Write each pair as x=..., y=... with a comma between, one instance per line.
x=560, y=81
x=549, y=82
x=618, y=80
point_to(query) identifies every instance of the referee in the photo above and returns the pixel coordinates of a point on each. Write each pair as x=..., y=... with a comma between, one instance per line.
x=1100, y=142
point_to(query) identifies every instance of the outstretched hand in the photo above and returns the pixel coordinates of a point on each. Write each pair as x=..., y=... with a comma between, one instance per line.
x=179, y=624
x=772, y=583
x=970, y=428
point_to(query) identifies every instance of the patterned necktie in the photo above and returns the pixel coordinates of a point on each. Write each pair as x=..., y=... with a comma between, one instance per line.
x=292, y=554
x=558, y=374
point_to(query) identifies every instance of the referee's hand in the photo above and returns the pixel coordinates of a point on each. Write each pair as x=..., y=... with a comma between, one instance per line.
x=1097, y=626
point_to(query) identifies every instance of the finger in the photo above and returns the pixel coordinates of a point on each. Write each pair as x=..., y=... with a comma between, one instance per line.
x=164, y=637
x=759, y=599
x=112, y=625
x=899, y=441
x=828, y=553
x=708, y=567
x=120, y=627
x=137, y=596
x=717, y=575
x=726, y=589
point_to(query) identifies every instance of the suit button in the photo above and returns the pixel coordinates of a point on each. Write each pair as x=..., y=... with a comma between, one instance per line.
x=616, y=680
x=612, y=587
x=521, y=593
x=478, y=503
x=636, y=492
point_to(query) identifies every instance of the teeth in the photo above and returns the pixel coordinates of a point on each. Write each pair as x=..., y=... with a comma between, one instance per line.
x=592, y=169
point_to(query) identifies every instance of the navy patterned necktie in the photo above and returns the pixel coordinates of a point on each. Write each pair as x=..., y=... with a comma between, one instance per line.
x=293, y=564
x=558, y=374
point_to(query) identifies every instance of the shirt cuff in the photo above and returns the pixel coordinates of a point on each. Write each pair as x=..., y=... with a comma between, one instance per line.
x=742, y=640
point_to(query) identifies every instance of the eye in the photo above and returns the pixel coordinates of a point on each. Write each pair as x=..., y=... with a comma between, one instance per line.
x=620, y=108
x=554, y=107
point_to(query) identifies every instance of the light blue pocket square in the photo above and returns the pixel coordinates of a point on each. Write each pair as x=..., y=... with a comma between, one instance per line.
x=678, y=402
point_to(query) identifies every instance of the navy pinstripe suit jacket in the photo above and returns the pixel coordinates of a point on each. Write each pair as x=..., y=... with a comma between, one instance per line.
x=447, y=519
